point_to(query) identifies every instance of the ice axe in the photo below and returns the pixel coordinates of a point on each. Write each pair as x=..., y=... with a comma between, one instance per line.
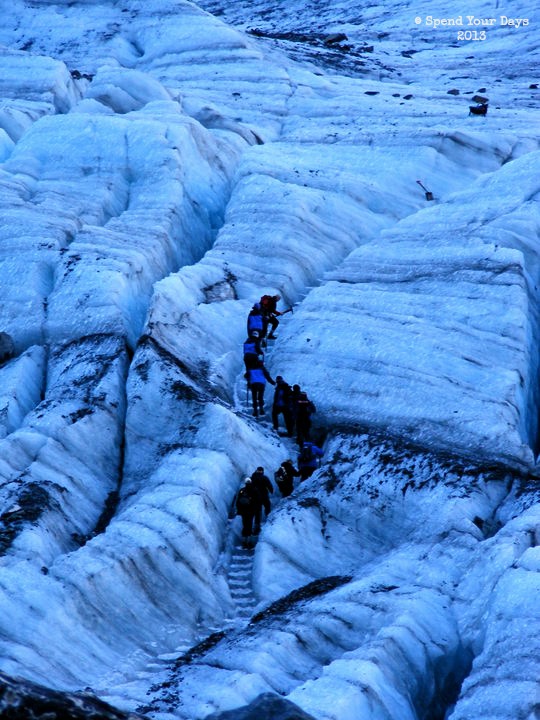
x=429, y=194
x=287, y=311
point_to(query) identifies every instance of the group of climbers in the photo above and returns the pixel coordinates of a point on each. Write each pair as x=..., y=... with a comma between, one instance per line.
x=254, y=495
x=295, y=407
x=263, y=315
x=290, y=402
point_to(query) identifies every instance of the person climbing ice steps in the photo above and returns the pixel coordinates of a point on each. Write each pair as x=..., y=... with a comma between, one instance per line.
x=257, y=377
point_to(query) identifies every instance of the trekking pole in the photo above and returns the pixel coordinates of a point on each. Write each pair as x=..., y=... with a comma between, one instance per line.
x=429, y=194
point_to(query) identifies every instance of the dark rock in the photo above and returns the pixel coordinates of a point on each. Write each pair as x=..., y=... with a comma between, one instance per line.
x=533, y=86
x=371, y=92
x=335, y=38
x=24, y=700
x=478, y=109
x=314, y=589
x=31, y=502
x=480, y=99
x=453, y=91
x=265, y=707
x=407, y=97
x=7, y=348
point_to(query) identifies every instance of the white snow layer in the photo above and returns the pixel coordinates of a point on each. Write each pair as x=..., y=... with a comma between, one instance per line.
x=160, y=169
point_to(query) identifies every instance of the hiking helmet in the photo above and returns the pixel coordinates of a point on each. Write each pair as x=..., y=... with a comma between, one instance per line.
x=247, y=481
x=257, y=306
x=254, y=333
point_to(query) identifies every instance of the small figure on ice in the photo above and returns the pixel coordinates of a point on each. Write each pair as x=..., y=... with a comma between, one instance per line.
x=247, y=502
x=264, y=489
x=284, y=477
x=308, y=460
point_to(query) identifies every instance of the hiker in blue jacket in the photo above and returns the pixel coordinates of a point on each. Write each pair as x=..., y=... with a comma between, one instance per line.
x=308, y=459
x=252, y=350
x=256, y=321
x=257, y=377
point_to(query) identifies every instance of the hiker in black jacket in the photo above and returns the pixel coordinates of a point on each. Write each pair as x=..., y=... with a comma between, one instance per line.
x=284, y=477
x=304, y=410
x=268, y=305
x=247, y=502
x=263, y=486
x=282, y=405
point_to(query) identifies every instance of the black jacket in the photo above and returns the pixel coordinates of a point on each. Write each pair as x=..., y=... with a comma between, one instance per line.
x=246, y=500
x=262, y=484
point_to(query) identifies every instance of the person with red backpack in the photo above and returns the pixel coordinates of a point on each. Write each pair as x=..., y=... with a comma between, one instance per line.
x=268, y=305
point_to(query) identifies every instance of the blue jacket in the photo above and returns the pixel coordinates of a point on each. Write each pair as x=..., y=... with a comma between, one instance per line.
x=255, y=321
x=259, y=375
x=252, y=346
x=314, y=452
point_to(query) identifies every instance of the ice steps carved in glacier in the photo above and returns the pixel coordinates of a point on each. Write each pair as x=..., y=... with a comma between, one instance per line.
x=239, y=579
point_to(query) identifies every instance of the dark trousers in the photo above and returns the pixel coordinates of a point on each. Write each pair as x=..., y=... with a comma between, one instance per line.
x=287, y=417
x=265, y=503
x=303, y=427
x=273, y=322
x=285, y=487
x=306, y=472
x=247, y=523
x=257, y=395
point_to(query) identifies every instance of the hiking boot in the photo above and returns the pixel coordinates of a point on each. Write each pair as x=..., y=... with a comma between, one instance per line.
x=272, y=336
x=255, y=413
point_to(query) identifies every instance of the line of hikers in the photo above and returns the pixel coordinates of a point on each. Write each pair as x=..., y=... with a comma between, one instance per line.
x=290, y=402
x=254, y=495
